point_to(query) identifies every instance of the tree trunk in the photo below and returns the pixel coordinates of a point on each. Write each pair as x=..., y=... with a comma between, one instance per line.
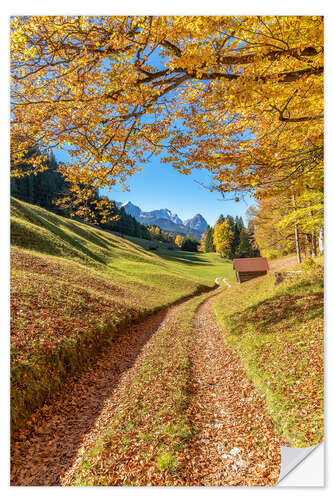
x=321, y=240
x=313, y=241
x=298, y=252
x=313, y=245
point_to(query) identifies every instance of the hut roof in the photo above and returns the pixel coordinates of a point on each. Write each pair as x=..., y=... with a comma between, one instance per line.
x=251, y=264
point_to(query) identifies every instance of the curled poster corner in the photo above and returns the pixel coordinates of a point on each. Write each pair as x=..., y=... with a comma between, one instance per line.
x=295, y=466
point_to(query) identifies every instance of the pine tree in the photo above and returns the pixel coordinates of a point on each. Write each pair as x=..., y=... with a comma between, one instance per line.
x=244, y=248
x=42, y=189
x=190, y=244
x=209, y=244
x=237, y=228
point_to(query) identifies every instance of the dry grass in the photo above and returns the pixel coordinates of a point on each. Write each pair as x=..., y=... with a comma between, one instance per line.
x=283, y=263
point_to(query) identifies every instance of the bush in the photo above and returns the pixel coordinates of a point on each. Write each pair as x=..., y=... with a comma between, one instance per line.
x=309, y=264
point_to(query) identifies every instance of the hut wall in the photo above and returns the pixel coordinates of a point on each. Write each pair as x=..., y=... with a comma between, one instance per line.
x=249, y=275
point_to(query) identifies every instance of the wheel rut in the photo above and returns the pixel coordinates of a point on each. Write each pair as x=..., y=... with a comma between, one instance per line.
x=45, y=450
x=235, y=443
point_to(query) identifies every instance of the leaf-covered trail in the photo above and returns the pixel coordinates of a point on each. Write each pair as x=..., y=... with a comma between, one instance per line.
x=45, y=451
x=235, y=443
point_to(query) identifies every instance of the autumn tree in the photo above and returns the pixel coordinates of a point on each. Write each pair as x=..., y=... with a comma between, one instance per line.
x=263, y=219
x=179, y=240
x=202, y=242
x=155, y=232
x=290, y=222
x=222, y=237
x=239, y=96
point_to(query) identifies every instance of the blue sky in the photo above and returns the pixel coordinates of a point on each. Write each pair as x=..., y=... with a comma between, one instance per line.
x=161, y=186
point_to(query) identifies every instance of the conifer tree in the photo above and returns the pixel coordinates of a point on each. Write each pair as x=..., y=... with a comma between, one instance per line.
x=244, y=248
x=209, y=244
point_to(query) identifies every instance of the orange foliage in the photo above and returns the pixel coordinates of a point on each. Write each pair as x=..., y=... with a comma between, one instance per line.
x=239, y=96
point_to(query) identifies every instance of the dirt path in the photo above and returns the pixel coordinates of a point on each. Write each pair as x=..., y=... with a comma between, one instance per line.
x=48, y=447
x=235, y=442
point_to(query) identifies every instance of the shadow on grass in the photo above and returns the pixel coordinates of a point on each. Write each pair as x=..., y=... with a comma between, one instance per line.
x=66, y=230
x=181, y=256
x=50, y=222
x=190, y=259
x=268, y=313
x=88, y=234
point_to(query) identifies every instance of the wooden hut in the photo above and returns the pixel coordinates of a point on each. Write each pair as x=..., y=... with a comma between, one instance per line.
x=249, y=268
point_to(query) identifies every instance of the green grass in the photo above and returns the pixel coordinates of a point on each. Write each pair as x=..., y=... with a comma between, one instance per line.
x=75, y=287
x=278, y=334
x=203, y=266
x=144, y=443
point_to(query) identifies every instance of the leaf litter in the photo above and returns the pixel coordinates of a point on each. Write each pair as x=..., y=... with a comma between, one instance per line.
x=168, y=404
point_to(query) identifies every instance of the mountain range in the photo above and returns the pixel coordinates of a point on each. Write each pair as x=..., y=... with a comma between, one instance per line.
x=166, y=220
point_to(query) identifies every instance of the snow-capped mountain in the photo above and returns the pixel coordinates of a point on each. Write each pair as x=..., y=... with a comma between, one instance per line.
x=165, y=213
x=197, y=222
x=130, y=208
x=166, y=220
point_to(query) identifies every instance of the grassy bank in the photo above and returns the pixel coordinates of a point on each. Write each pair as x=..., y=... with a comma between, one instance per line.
x=74, y=288
x=278, y=334
x=143, y=445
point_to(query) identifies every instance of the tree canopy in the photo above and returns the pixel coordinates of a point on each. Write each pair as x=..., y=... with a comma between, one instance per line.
x=239, y=96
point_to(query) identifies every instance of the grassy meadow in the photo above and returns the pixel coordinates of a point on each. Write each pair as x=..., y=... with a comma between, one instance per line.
x=278, y=334
x=75, y=287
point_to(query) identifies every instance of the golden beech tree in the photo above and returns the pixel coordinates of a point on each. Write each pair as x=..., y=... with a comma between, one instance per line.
x=286, y=223
x=203, y=242
x=222, y=238
x=263, y=220
x=179, y=240
x=239, y=96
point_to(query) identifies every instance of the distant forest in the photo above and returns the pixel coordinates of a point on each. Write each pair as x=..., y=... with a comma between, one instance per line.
x=42, y=189
x=46, y=188
x=230, y=238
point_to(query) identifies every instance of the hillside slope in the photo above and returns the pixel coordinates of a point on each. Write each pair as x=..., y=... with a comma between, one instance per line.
x=74, y=287
x=278, y=334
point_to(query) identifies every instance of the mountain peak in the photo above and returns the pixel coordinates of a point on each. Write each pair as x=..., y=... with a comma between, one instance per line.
x=131, y=209
x=197, y=222
x=166, y=219
x=128, y=204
